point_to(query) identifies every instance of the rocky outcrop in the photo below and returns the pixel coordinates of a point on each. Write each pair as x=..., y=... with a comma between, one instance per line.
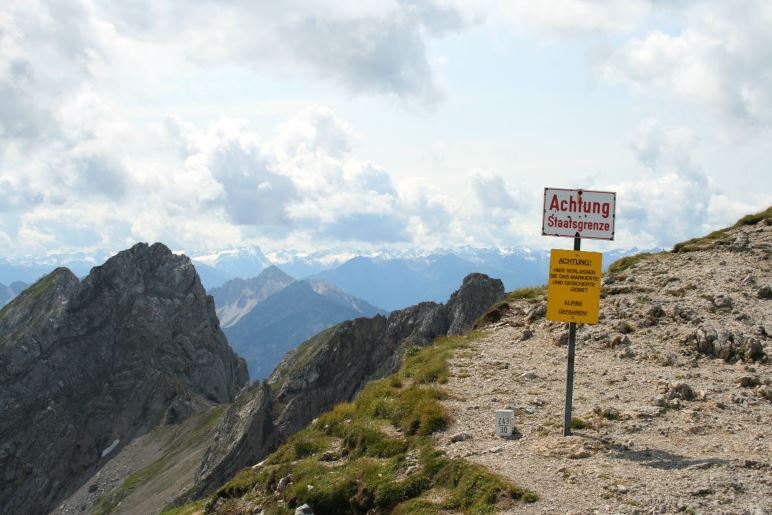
x=245, y=431
x=330, y=368
x=87, y=366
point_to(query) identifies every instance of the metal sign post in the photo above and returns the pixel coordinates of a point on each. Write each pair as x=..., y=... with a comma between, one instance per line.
x=570, y=366
x=573, y=291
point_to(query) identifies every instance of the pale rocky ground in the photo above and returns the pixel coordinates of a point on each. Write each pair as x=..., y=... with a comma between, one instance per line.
x=648, y=449
x=173, y=452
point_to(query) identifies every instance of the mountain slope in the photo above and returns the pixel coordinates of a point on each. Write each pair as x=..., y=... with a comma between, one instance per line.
x=387, y=283
x=286, y=318
x=329, y=368
x=87, y=366
x=237, y=297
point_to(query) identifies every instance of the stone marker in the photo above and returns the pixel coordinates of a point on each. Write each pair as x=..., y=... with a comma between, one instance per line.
x=505, y=422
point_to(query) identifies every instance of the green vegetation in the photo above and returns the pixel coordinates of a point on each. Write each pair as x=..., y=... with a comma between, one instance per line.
x=702, y=243
x=755, y=218
x=527, y=293
x=375, y=454
x=707, y=242
x=188, y=509
x=626, y=262
x=694, y=244
x=578, y=423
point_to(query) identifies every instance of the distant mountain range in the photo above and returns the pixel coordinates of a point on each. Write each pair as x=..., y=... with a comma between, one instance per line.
x=7, y=293
x=388, y=279
x=396, y=282
x=267, y=316
x=30, y=269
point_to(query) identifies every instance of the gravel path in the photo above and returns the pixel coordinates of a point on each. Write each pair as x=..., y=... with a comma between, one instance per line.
x=672, y=427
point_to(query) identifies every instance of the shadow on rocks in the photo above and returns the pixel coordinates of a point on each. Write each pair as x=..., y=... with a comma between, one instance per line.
x=655, y=458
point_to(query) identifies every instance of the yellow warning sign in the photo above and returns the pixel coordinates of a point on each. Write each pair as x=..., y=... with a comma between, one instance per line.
x=573, y=291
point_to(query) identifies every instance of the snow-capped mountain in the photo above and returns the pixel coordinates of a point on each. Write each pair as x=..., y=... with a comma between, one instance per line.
x=388, y=278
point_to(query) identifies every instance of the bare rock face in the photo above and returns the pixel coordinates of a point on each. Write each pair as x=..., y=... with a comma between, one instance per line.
x=86, y=367
x=476, y=290
x=333, y=367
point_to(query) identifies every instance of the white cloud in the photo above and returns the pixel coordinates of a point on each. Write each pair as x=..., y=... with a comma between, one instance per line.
x=89, y=155
x=720, y=61
x=431, y=213
x=663, y=209
x=568, y=18
x=656, y=146
x=676, y=200
x=368, y=47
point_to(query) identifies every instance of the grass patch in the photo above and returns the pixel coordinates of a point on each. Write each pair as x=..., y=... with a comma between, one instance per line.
x=493, y=315
x=527, y=293
x=622, y=264
x=707, y=242
x=188, y=509
x=702, y=243
x=755, y=218
x=578, y=423
x=386, y=462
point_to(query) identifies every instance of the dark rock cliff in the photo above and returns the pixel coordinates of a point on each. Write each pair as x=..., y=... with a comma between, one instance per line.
x=330, y=368
x=86, y=367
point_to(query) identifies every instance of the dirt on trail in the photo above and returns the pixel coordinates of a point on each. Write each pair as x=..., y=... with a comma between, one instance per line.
x=672, y=395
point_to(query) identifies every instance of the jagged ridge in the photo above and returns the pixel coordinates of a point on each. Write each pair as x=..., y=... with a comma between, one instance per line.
x=86, y=367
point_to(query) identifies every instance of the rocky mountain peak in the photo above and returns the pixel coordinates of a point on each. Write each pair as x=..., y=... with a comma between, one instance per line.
x=87, y=366
x=476, y=290
x=143, y=268
x=44, y=302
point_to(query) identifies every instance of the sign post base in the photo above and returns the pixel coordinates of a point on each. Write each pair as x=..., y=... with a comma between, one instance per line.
x=570, y=367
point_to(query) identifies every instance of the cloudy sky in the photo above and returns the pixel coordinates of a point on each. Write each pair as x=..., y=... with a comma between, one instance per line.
x=376, y=123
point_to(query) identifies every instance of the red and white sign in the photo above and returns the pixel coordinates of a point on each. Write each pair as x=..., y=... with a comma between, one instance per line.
x=579, y=213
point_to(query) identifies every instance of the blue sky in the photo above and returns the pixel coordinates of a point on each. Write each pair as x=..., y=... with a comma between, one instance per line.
x=376, y=124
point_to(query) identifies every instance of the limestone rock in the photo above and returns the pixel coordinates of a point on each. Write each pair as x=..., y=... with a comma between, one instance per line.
x=741, y=242
x=680, y=391
x=537, y=312
x=86, y=364
x=722, y=301
x=463, y=306
x=460, y=437
x=725, y=344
